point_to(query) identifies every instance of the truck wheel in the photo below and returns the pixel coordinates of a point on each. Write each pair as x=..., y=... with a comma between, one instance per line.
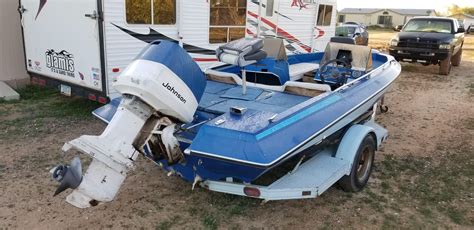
x=445, y=65
x=456, y=61
x=361, y=167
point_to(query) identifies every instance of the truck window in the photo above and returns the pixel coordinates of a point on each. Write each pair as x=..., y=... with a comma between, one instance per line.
x=158, y=12
x=324, y=15
x=428, y=25
x=227, y=20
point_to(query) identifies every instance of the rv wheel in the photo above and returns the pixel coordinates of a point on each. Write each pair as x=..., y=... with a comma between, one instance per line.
x=361, y=168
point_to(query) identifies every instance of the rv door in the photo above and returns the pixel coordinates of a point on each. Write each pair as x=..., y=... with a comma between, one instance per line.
x=62, y=42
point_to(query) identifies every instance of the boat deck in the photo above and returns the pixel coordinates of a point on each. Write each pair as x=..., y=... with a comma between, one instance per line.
x=219, y=97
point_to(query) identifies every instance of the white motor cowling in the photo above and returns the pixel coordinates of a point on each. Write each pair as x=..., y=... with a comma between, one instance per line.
x=163, y=85
x=165, y=77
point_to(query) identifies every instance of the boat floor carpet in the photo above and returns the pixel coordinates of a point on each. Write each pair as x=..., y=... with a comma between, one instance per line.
x=219, y=97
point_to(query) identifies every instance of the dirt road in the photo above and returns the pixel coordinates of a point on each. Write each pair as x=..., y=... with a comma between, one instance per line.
x=423, y=176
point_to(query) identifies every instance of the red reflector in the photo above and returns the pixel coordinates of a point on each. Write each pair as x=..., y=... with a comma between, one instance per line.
x=92, y=97
x=102, y=100
x=37, y=81
x=253, y=192
x=115, y=70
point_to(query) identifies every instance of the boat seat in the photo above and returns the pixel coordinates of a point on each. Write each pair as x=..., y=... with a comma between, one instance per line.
x=345, y=40
x=306, y=88
x=241, y=52
x=361, y=55
x=298, y=70
x=309, y=89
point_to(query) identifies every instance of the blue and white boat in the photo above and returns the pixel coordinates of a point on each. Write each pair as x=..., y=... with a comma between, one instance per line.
x=241, y=127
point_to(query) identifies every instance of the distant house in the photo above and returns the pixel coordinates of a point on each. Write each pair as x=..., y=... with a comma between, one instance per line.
x=381, y=17
x=465, y=19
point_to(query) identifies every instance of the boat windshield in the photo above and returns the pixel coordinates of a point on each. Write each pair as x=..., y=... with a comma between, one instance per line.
x=428, y=25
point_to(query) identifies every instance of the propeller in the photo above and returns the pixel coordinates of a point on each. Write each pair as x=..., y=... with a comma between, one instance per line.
x=69, y=176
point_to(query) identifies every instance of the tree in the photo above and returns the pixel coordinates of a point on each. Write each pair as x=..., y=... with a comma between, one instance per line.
x=455, y=9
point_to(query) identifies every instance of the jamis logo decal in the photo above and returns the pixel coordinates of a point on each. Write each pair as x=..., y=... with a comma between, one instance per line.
x=60, y=62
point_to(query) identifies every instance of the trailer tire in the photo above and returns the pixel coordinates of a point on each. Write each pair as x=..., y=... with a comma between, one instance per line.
x=361, y=168
x=445, y=65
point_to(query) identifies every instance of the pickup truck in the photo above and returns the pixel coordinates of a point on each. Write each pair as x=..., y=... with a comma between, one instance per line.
x=429, y=40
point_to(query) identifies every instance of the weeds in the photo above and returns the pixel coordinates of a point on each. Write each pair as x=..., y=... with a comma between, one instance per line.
x=40, y=106
x=209, y=222
x=164, y=225
x=421, y=182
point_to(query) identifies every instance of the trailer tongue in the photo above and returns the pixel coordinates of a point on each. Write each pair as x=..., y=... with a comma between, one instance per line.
x=154, y=97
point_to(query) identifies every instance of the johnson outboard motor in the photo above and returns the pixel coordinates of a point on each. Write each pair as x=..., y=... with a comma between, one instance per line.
x=161, y=88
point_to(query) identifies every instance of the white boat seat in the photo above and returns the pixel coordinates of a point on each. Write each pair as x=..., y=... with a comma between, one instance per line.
x=298, y=70
x=308, y=89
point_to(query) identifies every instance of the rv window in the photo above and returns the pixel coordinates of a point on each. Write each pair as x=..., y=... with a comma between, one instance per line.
x=164, y=12
x=217, y=35
x=227, y=20
x=140, y=12
x=324, y=15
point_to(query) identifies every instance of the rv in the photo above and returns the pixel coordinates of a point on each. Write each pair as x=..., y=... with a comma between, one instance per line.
x=81, y=47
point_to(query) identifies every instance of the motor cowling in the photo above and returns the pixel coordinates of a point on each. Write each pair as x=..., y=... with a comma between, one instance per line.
x=160, y=88
x=165, y=77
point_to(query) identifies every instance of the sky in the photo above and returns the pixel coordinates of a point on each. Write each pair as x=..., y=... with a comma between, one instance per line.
x=438, y=5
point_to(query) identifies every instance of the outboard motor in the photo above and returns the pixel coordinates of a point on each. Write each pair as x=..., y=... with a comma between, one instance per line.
x=160, y=88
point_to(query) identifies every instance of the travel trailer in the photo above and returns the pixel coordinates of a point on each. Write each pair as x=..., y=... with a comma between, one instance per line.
x=81, y=47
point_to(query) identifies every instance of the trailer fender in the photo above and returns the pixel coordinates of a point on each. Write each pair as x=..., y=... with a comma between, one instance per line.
x=352, y=139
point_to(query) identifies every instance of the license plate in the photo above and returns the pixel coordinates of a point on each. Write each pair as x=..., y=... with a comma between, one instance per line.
x=66, y=90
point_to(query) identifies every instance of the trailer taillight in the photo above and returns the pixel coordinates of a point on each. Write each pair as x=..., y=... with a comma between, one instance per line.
x=102, y=100
x=252, y=192
x=92, y=97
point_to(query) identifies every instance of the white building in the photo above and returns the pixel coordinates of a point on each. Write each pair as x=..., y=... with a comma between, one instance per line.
x=381, y=17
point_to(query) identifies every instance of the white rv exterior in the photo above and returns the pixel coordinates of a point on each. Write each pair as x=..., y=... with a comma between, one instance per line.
x=82, y=46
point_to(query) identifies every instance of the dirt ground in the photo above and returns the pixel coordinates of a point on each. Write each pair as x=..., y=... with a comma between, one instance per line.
x=423, y=176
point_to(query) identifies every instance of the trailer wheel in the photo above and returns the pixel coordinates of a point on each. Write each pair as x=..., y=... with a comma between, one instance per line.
x=445, y=65
x=361, y=168
x=456, y=60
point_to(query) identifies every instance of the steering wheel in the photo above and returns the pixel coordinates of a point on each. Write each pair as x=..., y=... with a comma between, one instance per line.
x=341, y=76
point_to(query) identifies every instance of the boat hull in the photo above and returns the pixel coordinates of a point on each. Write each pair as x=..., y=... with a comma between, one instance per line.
x=311, y=127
